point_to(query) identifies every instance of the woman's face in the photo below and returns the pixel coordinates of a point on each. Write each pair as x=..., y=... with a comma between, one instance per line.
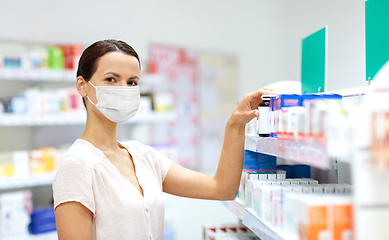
x=116, y=69
x=113, y=69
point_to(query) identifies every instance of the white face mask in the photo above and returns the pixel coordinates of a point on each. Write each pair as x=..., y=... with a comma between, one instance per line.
x=118, y=104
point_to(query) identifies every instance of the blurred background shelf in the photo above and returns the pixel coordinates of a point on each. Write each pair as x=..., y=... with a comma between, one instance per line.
x=8, y=183
x=43, y=236
x=262, y=229
x=44, y=75
x=75, y=119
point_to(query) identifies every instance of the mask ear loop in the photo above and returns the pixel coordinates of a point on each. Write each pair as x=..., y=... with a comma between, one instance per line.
x=88, y=96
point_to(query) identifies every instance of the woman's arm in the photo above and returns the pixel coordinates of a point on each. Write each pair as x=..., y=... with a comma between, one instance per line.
x=225, y=184
x=74, y=221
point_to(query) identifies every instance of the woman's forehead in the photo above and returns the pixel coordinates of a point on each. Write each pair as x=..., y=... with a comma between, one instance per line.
x=117, y=60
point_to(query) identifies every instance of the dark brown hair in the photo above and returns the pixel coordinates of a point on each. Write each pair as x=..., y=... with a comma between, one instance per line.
x=87, y=65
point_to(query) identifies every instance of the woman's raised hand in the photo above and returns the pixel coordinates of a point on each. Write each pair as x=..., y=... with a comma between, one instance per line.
x=247, y=108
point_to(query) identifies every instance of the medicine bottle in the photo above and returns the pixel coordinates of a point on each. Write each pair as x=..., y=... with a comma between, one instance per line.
x=263, y=119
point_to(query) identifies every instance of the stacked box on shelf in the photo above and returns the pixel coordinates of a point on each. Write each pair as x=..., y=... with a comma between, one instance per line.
x=38, y=57
x=15, y=208
x=304, y=125
x=263, y=175
x=21, y=164
x=317, y=216
x=297, y=117
x=228, y=231
x=37, y=101
x=254, y=162
x=42, y=220
x=268, y=200
x=286, y=105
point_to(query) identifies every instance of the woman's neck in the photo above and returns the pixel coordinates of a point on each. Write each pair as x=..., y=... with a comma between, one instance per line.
x=101, y=133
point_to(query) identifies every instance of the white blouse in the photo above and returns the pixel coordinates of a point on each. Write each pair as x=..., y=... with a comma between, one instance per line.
x=85, y=175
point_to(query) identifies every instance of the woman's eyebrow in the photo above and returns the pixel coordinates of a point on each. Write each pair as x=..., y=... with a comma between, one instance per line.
x=113, y=73
x=117, y=75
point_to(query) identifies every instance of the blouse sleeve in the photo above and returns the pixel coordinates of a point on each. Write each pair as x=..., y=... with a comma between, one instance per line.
x=164, y=163
x=73, y=183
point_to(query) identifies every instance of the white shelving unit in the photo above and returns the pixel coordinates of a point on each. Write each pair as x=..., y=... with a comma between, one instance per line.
x=262, y=229
x=310, y=154
x=39, y=75
x=313, y=154
x=44, y=236
x=304, y=153
x=26, y=181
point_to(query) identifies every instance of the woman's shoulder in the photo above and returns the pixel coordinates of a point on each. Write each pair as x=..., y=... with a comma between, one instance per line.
x=136, y=148
x=83, y=153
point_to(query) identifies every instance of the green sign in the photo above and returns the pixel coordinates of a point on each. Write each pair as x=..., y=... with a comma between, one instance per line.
x=377, y=35
x=314, y=62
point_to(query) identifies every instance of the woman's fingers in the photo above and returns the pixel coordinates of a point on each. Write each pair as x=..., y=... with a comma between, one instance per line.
x=247, y=108
x=255, y=97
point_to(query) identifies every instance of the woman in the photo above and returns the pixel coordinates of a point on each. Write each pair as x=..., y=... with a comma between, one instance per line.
x=105, y=189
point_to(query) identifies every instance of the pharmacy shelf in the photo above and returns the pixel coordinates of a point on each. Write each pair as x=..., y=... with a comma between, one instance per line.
x=43, y=236
x=44, y=75
x=304, y=153
x=352, y=92
x=262, y=229
x=77, y=118
x=42, y=179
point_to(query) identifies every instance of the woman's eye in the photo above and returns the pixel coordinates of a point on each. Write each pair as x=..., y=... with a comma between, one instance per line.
x=132, y=83
x=110, y=79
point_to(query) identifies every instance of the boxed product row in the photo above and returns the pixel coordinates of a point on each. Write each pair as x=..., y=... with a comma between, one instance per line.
x=301, y=206
x=317, y=216
x=53, y=57
x=18, y=218
x=36, y=101
x=304, y=118
x=284, y=174
x=27, y=163
x=251, y=174
x=228, y=232
x=39, y=100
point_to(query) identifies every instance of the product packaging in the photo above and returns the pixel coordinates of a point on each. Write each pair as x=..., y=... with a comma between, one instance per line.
x=295, y=124
x=7, y=166
x=284, y=103
x=305, y=124
x=18, y=104
x=301, y=171
x=313, y=220
x=42, y=220
x=43, y=160
x=247, y=188
x=14, y=214
x=56, y=59
x=71, y=55
x=288, y=169
x=251, y=127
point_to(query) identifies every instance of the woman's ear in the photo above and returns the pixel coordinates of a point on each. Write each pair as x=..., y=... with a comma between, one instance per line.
x=81, y=86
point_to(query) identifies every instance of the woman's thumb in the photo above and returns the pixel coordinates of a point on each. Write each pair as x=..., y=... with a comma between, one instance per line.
x=254, y=113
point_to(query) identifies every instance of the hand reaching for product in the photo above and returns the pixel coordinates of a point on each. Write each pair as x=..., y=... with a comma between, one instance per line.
x=247, y=108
